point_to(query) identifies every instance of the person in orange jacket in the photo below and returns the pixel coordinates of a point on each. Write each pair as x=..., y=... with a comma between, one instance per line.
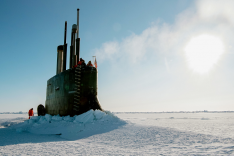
x=90, y=64
x=30, y=113
x=81, y=62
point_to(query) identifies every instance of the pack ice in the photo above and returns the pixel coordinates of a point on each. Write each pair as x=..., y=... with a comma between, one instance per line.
x=72, y=128
x=102, y=133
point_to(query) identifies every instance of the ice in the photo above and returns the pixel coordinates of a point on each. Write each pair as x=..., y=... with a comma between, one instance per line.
x=57, y=118
x=68, y=118
x=99, y=114
x=106, y=133
x=42, y=120
x=79, y=126
x=48, y=117
x=87, y=117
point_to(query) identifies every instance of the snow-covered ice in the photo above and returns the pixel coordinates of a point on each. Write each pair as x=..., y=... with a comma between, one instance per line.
x=106, y=133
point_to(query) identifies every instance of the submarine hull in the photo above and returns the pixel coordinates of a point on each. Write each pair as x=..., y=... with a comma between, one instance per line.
x=72, y=92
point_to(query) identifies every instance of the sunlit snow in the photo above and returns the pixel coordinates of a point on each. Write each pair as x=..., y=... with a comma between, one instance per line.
x=106, y=133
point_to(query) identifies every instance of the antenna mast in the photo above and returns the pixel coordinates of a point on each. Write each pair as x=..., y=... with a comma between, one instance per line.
x=78, y=39
x=65, y=48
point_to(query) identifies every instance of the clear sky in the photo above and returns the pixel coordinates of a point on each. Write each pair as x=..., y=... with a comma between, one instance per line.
x=153, y=55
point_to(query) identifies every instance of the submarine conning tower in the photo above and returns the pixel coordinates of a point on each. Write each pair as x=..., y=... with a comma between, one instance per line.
x=72, y=91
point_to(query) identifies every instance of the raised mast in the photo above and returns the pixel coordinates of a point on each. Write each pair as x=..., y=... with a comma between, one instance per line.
x=78, y=39
x=65, y=47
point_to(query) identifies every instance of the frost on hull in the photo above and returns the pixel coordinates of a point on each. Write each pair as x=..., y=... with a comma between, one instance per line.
x=72, y=92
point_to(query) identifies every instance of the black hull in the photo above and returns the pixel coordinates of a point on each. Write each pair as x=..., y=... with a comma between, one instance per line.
x=72, y=92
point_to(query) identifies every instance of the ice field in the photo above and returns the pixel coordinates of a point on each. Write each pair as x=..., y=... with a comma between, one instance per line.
x=98, y=133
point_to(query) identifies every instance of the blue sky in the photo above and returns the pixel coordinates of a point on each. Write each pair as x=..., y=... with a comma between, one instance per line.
x=139, y=46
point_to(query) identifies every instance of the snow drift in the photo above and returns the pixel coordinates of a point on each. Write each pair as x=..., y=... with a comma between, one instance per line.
x=72, y=128
x=141, y=134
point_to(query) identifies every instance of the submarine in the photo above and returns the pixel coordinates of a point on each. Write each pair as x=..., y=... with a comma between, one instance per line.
x=71, y=91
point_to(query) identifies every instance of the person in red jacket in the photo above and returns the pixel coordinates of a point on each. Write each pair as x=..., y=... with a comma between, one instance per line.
x=30, y=113
x=81, y=62
x=90, y=64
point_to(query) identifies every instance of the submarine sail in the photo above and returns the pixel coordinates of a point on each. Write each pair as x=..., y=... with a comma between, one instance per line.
x=72, y=91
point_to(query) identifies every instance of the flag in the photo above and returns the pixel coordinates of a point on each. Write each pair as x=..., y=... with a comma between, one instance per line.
x=95, y=63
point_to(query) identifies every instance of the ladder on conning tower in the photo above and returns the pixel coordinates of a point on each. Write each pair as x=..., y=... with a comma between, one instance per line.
x=76, y=105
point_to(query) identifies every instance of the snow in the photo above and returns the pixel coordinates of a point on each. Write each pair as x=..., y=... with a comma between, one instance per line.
x=106, y=133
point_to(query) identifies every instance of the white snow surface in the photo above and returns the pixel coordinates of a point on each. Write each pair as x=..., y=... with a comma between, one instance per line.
x=106, y=133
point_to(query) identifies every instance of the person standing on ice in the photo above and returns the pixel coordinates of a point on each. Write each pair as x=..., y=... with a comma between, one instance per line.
x=30, y=113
